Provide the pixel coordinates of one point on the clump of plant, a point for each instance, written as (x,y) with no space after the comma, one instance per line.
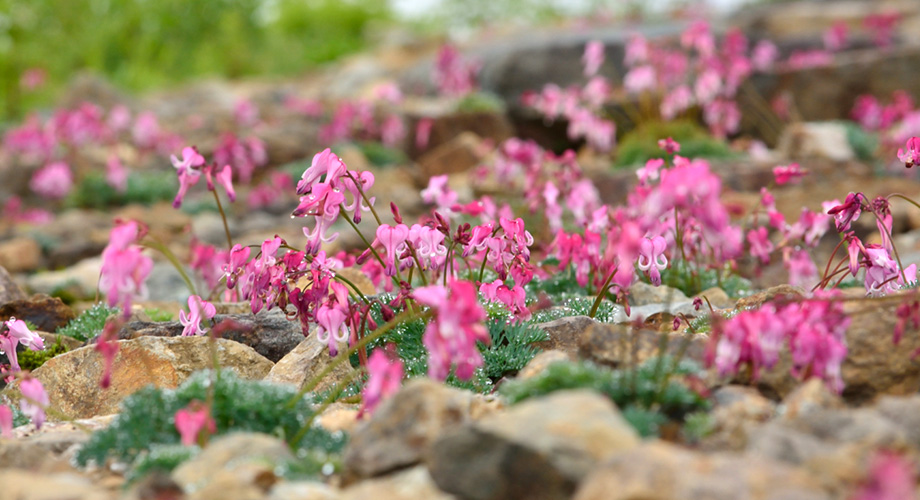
(148,420)
(641,144)
(146,188)
(30,360)
(692,281)
(650,396)
(88,324)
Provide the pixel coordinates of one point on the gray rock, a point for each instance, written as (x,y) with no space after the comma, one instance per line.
(270,333)
(9,290)
(539,449)
(410,484)
(25,485)
(643,294)
(403,428)
(564,333)
(662,471)
(303,490)
(306,361)
(618,345)
(239,460)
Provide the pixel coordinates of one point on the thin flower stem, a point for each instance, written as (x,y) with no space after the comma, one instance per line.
(372,249)
(352,286)
(899,195)
(171,257)
(827,268)
(223,217)
(897,257)
(343,357)
(328,400)
(364,197)
(601,294)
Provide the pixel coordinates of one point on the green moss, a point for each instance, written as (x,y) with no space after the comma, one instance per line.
(481,102)
(649,395)
(146,420)
(30,360)
(640,145)
(89,324)
(692,280)
(158,315)
(379,155)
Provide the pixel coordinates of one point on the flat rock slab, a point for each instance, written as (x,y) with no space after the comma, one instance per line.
(46,313)
(72,379)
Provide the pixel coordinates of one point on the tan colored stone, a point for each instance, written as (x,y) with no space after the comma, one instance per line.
(306,361)
(20,254)
(72,379)
(459,155)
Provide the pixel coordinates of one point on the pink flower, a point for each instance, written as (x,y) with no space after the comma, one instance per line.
(637,50)
(652,259)
(760,244)
(423,132)
(882,27)
(640,79)
(513,298)
(384,378)
(698,36)
(33,78)
(847,212)
(452,335)
(6,422)
(454,75)
(245,113)
(677,101)
(194,420)
(52,181)
(18,333)
(593,57)
(116,175)
(707,86)
(764,55)
(393,240)
(34,401)
(198,308)
(786,174)
(224,178)
(801,268)
(392,131)
(439,193)
(124,267)
(835,37)
(429,248)
(910,156)
(669,146)
(331,317)
(890,477)
(187,171)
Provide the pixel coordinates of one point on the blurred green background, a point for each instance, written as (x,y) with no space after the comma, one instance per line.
(143,44)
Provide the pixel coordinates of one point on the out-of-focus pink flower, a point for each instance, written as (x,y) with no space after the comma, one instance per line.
(116,175)
(764,55)
(707,86)
(107,347)
(224,178)
(652,259)
(676,101)
(890,477)
(669,145)
(52,181)
(882,27)
(384,378)
(119,118)
(392,131)
(124,267)
(593,57)
(192,421)
(33,79)
(788,174)
(245,113)
(637,50)
(698,36)
(454,75)
(835,37)
(640,79)
(423,132)
(760,244)
(911,155)
(198,309)
(187,170)
(452,334)
(146,130)
(801,268)
(34,400)
(388,92)
(6,422)
(722,116)
(308,107)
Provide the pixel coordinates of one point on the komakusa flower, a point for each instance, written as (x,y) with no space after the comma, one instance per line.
(188,172)
(124,267)
(652,259)
(910,156)
(384,378)
(452,334)
(198,309)
(192,421)
(52,181)
(34,400)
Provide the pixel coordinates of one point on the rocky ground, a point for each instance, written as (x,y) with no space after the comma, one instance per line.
(777,439)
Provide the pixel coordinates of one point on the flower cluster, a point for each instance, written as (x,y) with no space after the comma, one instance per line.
(813,330)
(125,268)
(15,333)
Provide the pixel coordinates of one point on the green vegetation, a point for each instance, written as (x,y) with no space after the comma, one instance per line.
(146,188)
(146,422)
(865,144)
(641,144)
(141,44)
(481,102)
(158,315)
(650,396)
(691,280)
(160,458)
(378,155)
(30,360)
(88,324)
